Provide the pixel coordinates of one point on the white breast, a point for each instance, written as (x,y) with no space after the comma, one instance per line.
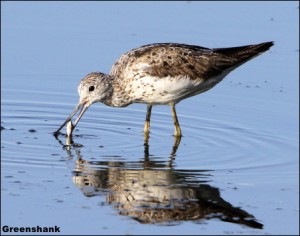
(154,90)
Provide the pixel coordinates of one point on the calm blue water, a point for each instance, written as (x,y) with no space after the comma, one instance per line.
(236,168)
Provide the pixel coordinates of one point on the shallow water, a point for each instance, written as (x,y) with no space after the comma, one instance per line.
(235,170)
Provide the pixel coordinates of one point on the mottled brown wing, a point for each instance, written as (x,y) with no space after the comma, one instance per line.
(162,60)
(170,59)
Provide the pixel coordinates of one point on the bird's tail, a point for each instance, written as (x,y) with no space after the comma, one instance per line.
(244,53)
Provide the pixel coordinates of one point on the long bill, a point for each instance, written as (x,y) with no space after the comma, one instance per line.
(83,106)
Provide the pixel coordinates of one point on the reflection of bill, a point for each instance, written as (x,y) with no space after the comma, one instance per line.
(153,195)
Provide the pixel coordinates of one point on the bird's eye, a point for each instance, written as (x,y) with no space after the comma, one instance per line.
(91,88)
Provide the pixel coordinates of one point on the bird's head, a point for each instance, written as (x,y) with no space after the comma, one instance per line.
(95,87)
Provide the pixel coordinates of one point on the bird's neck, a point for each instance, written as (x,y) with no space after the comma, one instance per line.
(117,97)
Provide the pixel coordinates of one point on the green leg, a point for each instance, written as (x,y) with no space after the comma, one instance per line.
(177,132)
(147,123)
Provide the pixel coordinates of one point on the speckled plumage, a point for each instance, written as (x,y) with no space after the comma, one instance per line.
(163,73)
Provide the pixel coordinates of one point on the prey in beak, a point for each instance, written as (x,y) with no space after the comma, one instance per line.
(81,107)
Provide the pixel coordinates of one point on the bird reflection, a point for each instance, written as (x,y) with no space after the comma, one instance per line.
(150,191)
(153,191)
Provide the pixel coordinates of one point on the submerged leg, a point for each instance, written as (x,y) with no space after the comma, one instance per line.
(147,123)
(177,132)
(177,140)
